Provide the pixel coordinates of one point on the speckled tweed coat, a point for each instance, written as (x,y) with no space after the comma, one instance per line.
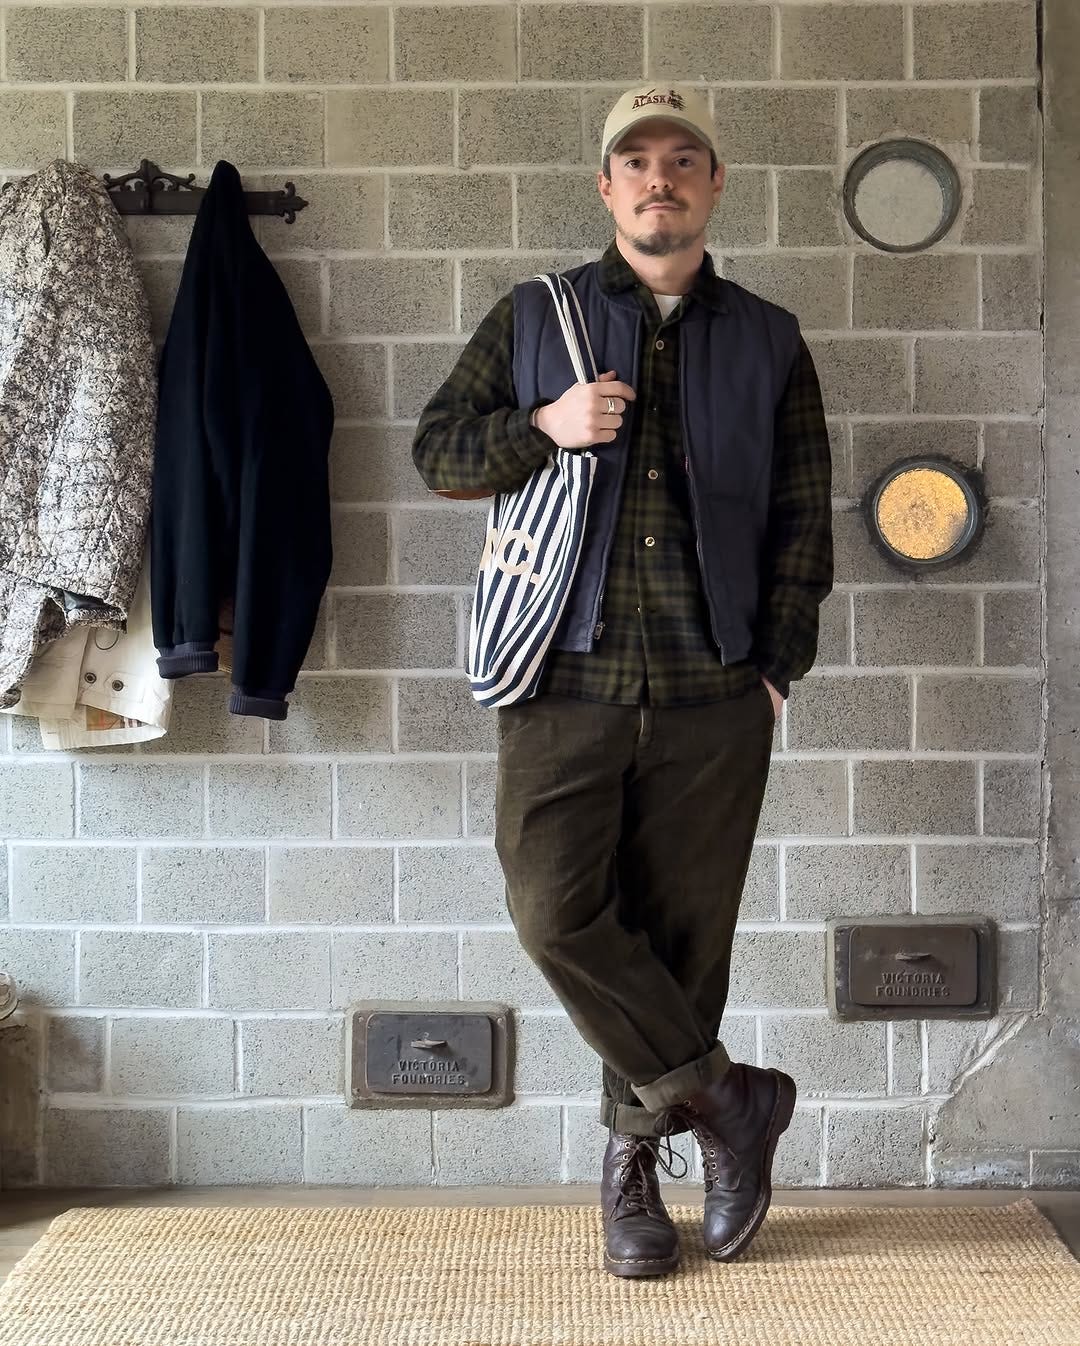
(78,404)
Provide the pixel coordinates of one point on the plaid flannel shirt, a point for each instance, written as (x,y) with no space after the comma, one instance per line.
(655,645)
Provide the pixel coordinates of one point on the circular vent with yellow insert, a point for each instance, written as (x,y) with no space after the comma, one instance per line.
(925,512)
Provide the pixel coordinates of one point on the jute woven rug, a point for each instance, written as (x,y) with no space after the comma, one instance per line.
(531,1276)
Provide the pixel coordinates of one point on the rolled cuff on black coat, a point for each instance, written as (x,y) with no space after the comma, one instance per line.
(193,656)
(268,706)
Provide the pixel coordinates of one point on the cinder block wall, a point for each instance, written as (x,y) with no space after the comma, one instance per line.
(188,920)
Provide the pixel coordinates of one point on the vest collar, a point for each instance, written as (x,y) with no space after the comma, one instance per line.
(616,276)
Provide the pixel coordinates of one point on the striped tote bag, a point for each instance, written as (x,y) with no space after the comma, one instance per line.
(531,552)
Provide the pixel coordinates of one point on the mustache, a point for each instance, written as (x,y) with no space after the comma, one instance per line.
(661,201)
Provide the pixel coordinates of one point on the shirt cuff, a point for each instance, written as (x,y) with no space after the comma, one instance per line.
(530,445)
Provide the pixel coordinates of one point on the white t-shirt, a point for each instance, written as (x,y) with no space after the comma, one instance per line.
(666,302)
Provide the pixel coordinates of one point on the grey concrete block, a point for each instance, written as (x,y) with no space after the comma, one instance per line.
(449,43)
(206,44)
(335,714)
(200,720)
(66,44)
(190,885)
(439,546)
(1001,207)
(395,127)
(373,464)
(561,210)
(263,128)
(826,881)
(282,1057)
(459,210)
(327,45)
(813,287)
(1008,124)
(855,559)
(901,627)
(875,1147)
(975,41)
(586,1140)
(738,1033)
(145,969)
(953,1046)
(966,376)
(73,883)
(519,126)
(915,796)
(160,281)
(418,369)
(1011,291)
(106,125)
(361,542)
(1009,549)
(995,714)
(709,42)
(781,969)
(553,1058)
(447,885)
(270,800)
(34,128)
(355,373)
(997,1169)
(855,713)
(158,800)
(740,218)
(413,800)
(344,210)
(42,963)
(342,885)
(368,1148)
(485,280)
(1001,882)
(480,799)
(776,126)
(275,970)
(861,374)
(580,42)
(825,1056)
(877,444)
(440,715)
(1018,969)
(399,296)
(75,1054)
(168,1058)
(853,42)
(219,1146)
(906,1057)
(494,966)
(804,797)
(1012,793)
(510,1145)
(808,207)
(1055,1168)
(760,895)
(919,292)
(1011,628)
(396,630)
(303,284)
(106,1147)
(940,115)
(37,800)
(398,965)
(834,627)
(797,1160)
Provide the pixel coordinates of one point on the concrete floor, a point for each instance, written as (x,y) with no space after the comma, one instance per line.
(25,1215)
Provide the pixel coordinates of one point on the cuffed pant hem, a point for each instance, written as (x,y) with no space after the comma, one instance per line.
(631,1121)
(678,1084)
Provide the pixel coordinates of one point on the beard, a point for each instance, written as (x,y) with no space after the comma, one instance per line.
(662,242)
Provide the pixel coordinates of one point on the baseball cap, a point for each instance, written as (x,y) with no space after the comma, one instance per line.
(679,103)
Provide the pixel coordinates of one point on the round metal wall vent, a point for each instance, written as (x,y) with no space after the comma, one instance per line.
(901,195)
(925,512)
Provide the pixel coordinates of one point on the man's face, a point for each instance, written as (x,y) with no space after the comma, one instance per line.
(661,192)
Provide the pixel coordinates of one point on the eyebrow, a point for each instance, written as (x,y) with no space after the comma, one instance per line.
(637,149)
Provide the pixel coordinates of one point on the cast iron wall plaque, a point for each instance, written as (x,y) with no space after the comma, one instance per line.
(405,1053)
(918,967)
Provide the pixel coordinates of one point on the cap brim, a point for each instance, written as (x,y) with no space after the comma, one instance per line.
(619,136)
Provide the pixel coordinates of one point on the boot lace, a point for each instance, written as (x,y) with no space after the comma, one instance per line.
(635,1171)
(709,1142)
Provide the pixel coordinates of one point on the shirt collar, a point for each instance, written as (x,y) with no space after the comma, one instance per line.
(616,274)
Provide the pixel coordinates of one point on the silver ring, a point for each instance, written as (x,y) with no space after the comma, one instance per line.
(611,406)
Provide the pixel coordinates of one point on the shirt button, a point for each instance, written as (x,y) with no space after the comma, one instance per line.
(660,344)
(650,542)
(653,474)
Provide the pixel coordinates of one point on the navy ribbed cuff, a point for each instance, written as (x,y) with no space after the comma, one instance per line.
(193,656)
(270,708)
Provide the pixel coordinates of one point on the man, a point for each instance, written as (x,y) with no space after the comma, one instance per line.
(629,789)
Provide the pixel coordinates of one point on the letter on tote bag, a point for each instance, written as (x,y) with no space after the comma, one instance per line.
(531,554)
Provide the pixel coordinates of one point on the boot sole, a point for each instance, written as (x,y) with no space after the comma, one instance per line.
(779,1122)
(643,1266)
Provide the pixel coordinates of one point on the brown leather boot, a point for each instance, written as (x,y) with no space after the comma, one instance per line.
(737,1121)
(640,1238)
